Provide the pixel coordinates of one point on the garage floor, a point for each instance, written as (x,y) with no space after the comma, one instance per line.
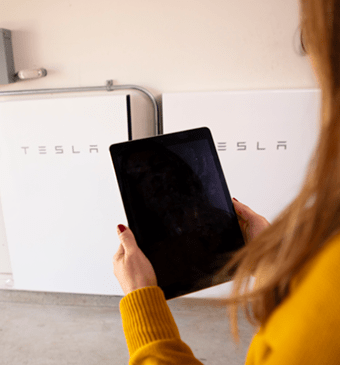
(70,329)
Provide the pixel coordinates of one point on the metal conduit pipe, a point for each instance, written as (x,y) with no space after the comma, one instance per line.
(109,87)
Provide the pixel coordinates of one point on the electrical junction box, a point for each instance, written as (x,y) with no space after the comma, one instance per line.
(6,57)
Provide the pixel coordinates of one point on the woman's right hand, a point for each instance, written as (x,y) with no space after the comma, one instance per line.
(250,222)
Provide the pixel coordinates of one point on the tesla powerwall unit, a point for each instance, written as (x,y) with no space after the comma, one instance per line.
(264,141)
(59,195)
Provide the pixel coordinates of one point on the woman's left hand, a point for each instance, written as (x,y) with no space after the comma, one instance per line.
(131,267)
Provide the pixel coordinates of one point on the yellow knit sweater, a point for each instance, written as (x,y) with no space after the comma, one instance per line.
(304,329)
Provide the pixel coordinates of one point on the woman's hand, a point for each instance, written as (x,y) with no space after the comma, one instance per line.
(251,223)
(131,267)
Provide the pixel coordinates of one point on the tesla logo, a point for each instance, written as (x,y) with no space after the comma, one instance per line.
(58,150)
(242,146)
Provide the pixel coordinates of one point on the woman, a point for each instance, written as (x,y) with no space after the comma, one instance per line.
(295,301)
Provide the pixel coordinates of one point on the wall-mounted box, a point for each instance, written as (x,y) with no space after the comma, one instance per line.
(6,57)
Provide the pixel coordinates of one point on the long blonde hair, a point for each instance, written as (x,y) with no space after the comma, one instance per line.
(304,227)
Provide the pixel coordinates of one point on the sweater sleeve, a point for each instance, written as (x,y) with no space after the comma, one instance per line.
(151,333)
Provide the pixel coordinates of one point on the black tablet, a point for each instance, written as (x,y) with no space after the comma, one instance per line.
(178,206)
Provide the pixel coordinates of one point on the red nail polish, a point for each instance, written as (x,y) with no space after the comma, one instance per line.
(235,199)
(121,228)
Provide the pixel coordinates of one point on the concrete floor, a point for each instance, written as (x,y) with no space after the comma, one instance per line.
(70,329)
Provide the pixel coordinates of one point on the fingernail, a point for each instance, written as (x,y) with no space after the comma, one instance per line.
(235,199)
(121,228)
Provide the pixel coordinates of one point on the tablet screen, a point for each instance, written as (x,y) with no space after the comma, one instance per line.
(179,208)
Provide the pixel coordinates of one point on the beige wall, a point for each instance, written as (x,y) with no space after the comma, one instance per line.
(164,46)
(177,45)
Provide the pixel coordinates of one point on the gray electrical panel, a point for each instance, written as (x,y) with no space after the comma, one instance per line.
(6,57)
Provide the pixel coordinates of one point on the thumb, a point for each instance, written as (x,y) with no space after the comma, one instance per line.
(127,238)
(243,210)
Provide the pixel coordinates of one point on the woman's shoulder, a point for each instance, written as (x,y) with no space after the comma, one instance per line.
(311,307)
(307,321)
(323,267)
